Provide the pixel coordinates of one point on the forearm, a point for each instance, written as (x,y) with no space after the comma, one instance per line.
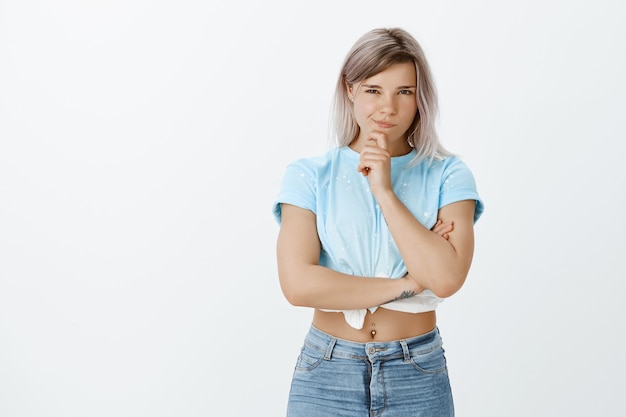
(320,287)
(430,259)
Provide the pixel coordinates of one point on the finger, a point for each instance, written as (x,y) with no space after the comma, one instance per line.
(372,142)
(380,139)
(363,168)
(373,157)
(443,229)
(441,223)
(382,143)
(437,226)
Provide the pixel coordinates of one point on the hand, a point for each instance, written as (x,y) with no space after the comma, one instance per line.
(443,228)
(375,162)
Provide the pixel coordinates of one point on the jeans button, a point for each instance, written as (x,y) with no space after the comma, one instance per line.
(372,350)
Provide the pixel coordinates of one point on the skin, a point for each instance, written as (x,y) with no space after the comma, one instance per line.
(437,259)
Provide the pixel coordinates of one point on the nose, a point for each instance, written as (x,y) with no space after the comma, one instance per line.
(388,104)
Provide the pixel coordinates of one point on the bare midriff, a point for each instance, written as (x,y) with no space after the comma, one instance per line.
(383,325)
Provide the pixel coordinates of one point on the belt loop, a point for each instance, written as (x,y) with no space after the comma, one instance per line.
(329,350)
(405,350)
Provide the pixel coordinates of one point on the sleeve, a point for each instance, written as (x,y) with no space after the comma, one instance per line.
(298,188)
(457,184)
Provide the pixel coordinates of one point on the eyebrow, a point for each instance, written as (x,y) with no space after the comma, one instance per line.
(399,88)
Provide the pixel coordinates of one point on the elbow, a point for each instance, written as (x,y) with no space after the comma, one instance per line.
(448,286)
(444,291)
(293,293)
(296,284)
(293,297)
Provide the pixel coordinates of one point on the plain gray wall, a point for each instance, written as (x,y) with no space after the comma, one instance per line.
(142,144)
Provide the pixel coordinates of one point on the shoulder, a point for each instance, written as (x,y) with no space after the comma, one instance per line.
(458,183)
(438,167)
(302,180)
(447,167)
(454,161)
(315,164)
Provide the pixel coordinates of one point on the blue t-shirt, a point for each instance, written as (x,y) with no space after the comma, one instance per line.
(353,233)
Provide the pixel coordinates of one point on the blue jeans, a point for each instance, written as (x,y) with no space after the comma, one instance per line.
(339,378)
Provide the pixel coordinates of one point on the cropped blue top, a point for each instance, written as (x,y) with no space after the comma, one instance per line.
(353,234)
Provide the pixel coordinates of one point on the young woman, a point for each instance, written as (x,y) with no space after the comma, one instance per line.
(373,235)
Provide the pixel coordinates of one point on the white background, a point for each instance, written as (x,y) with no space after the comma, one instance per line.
(143,142)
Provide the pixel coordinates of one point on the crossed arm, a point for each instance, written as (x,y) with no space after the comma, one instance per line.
(440,265)
(306,283)
(438,259)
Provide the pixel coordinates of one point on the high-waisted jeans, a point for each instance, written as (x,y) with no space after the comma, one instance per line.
(340,378)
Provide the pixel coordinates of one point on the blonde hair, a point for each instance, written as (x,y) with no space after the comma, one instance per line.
(374,52)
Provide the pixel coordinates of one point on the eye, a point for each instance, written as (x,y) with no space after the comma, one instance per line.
(405,92)
(371,91)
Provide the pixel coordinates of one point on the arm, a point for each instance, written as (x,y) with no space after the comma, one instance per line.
(435,262)
(305,283)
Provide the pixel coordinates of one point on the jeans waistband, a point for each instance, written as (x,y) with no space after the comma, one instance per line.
(333,347)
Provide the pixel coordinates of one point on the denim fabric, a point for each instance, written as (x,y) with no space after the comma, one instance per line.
(339,378)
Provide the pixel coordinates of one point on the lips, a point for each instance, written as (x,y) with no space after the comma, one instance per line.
(383,124)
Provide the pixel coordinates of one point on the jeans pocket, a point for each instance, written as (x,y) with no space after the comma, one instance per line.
(309,358)
(430,362)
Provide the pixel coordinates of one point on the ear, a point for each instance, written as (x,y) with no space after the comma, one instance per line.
(349,91)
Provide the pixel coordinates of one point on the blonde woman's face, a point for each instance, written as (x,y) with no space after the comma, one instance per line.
(386,103)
